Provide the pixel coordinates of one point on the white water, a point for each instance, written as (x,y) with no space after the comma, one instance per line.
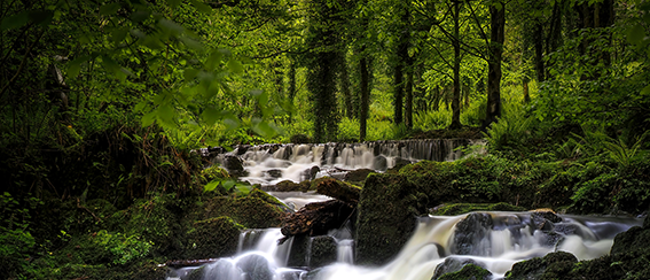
(271,164)
(511,240)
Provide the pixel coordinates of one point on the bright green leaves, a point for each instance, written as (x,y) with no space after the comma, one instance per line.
(228,185)
(201,7)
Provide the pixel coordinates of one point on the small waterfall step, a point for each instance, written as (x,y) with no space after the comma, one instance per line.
(272,163)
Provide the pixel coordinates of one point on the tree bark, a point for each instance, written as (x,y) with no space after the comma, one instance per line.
(498,20)
(344,86)
(455,102)
(365,92)
(408,114)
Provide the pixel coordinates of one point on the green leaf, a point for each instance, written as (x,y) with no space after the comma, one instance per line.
(74,66)
(118,35)
(15,21)
(110,9)
(264,129)
(235,66)
(211,185)
(41,17)
(173,3)
(231,123)
(148,119)
(211,115)
(635,34)
(190,74)
(191,43)
(202,7)
(170,26)
(228,184)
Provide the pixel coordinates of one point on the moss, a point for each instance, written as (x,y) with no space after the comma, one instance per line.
(323,251)
(387,216)
(251,211)
(462,208)
(535,268)
(211,238)
(469,272)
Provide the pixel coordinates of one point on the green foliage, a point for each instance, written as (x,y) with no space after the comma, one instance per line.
(16,241)
(123,248)
(513,130)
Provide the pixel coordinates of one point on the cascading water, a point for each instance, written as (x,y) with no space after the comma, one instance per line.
(270,164)
(510,237)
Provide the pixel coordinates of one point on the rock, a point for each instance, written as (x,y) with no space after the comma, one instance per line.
(399,163)
(214,237)
(298,257)
(274,173)
(468,272)
(254,267)
(462,208)
(471,234)
(299,139)
(323,251)
(310,174)
(387,217)
(380,163)
(317,218)
(255,210)
(234,165)
(636,238)
(358,176)
(536,267)
(284,186)
(339,190)
(451,264)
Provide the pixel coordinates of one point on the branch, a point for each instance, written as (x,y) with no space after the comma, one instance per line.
(22,65)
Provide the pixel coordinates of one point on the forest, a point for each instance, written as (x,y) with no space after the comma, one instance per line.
(104,105)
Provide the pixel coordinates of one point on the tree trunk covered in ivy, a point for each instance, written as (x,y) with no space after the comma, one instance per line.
(322,69)
(344,86)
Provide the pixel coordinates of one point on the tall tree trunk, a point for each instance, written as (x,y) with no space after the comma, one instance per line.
(524,83)
(398,80)
(408,114)
(498,20)
(365,92)
(539,52)
(455,102)
(419,90)
(344,86)
(291,94)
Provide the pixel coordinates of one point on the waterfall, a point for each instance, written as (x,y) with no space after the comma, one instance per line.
(510,238)
(272,163)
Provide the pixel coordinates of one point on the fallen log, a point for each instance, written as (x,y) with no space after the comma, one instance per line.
(184,263)
(317,218)
(339,190)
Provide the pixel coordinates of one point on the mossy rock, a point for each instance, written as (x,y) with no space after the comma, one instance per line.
(469,272)
(323,251)
(387,208)
(463,208)
(636,238)
(251,211)
(358,177)
(536,268)
(212,238)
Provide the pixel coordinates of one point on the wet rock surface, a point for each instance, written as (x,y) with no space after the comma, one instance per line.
(452,264)
(471,233)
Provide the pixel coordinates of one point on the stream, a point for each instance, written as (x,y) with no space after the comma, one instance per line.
(493,240)
(512,237)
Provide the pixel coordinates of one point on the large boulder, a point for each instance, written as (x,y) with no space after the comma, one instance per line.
(535,268)
(451,264)
(468,272)
(323,251)
(211,238)
(471,235)
(388,207)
